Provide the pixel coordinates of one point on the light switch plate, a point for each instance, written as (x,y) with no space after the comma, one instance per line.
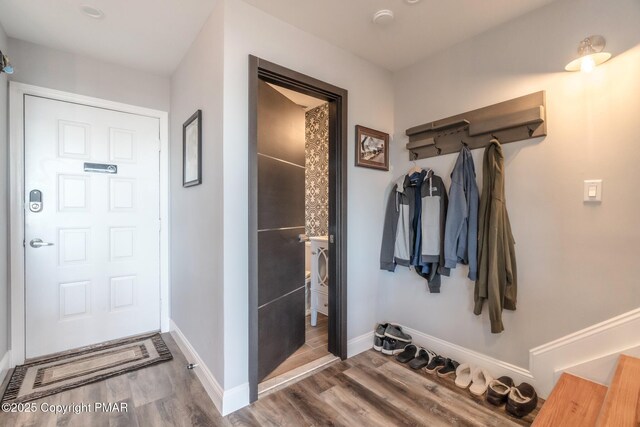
(593,190)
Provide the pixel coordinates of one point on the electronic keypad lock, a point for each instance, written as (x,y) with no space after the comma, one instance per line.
(35,200)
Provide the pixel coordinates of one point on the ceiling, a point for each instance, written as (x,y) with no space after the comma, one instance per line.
(305,101)
(151,35)
(417,30)
(154,35)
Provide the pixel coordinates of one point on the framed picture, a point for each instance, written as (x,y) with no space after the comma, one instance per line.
(192,150)
(372,148)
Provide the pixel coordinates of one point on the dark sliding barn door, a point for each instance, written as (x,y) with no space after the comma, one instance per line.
(281,161)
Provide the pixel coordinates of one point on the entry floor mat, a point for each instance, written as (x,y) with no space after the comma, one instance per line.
(63,371)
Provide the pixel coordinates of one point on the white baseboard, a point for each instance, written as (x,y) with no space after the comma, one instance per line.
(496,367)
(5,365)
(226,401)
(359,344)
(235,398)
(598,342)
(209,382)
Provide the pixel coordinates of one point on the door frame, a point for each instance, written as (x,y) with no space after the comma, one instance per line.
(17,93)
(260,69)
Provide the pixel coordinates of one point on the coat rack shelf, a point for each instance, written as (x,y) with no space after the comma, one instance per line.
(514,120)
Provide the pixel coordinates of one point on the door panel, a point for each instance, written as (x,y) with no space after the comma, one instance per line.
(99,280)
(279,263)
(280,331)
(280,194)
(278,137)
(281,306)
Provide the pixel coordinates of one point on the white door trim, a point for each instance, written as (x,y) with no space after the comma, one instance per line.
(17,92)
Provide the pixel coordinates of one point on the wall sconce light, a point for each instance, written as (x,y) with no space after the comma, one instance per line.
(591,55)
(5,65)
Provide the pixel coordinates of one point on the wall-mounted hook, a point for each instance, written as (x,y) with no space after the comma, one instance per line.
(530,131)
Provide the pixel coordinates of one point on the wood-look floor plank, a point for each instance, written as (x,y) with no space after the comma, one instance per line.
(311,407)
(443,396)
(124,419)
(353,409)
(386,408)
(406,399)
(275,410)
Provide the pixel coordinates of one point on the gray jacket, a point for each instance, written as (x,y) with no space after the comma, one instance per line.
(461,232)
(415,237)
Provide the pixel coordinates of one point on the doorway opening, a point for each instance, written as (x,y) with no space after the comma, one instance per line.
(297,223)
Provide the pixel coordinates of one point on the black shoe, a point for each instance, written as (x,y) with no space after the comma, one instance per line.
(522,400)
(422,359)
(395,332)
(449,368)
(498,390)
(391,347)
(409,353)
(377,343)
(435,363)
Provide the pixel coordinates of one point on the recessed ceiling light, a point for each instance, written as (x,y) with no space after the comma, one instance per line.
(92,12)
(383,17)
(412,1)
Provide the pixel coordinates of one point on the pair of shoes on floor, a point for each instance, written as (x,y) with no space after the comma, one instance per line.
(521,400)
(416,357)
(474,378)
(389,339)
(442,367)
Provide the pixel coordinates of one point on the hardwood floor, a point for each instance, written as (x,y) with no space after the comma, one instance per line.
(315,347)
(373,390)
(166,394)
(369,389)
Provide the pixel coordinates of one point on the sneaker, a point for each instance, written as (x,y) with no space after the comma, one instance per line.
(381,327)
(391,347)
(448,369)
(395,332)
(377,343)
(435,363)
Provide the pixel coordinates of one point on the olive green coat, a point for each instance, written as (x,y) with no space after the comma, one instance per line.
(497,274)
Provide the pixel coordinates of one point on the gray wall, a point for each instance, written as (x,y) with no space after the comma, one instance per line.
(54,69)
(577,263)
(196,212)
(4,209)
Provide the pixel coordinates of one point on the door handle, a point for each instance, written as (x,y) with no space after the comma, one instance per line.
(38,243)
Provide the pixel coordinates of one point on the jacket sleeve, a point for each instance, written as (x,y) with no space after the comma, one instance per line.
(456,213)
(444,202)
(387,251)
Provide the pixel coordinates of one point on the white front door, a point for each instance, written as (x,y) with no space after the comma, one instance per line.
(99,279)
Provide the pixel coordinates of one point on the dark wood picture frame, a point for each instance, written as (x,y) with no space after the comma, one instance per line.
(197,119)
(361,160)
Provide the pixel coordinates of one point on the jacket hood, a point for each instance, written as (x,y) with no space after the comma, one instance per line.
(401,182)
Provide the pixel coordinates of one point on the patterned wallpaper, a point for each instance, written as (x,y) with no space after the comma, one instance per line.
(317,172)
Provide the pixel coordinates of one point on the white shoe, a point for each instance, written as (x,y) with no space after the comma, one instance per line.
(480,382)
